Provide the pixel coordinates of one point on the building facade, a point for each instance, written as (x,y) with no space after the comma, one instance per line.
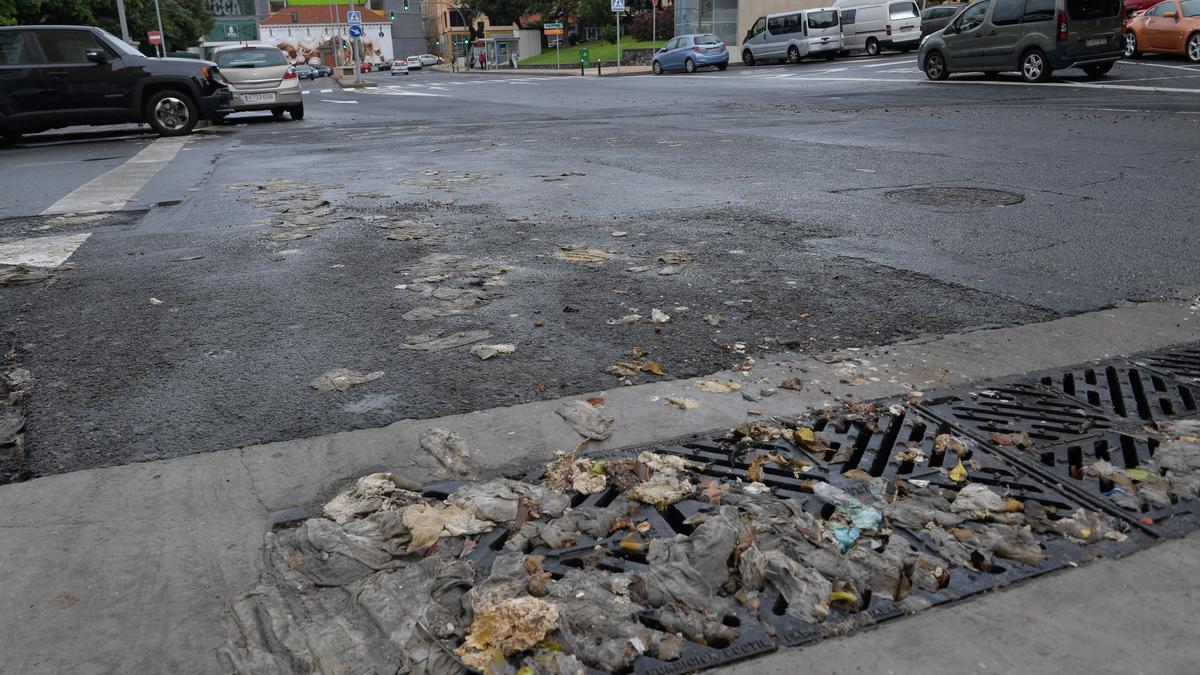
(730,19)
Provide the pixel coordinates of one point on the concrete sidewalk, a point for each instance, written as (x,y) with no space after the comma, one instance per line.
(128,569)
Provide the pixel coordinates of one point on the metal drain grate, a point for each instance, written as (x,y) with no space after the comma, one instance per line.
(1016,408)
(1126,392)
(1182,363)
(956,197)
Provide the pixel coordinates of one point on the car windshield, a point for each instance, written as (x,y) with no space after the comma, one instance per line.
(1190,7)
(250,58)
(707,40)
(119,44)
(824,19)
(1093,9)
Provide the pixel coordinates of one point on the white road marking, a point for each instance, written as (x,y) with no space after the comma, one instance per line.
(111,191)
(334,100)
(1159,65)
(41,251)
(881,64)
(326,91)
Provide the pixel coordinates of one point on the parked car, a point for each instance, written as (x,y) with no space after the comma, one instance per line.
(430,59)
(791,36)
(306,72)
(364,67)
(1171,27)
(414,63)
(323,71)
(383,65)
(80,75)
(1033,37)
(936,18)
(1134,6)
(399,67)
(260,78)
(691,52)
(872,26)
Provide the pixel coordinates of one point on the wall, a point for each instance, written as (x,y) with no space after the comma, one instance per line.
(408,30)
(732,17)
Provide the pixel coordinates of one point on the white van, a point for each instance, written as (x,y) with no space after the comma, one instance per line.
(791,36)
(874,25)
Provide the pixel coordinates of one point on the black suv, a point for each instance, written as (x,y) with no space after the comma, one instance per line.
(58,76)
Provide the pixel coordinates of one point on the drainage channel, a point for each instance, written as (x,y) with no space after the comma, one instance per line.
(697,552)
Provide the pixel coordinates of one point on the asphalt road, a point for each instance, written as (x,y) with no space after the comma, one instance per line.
(775,196)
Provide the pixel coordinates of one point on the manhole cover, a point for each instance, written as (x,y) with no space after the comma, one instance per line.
(956,196)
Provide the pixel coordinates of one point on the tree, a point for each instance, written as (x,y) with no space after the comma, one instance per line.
(501,12)
(184,21)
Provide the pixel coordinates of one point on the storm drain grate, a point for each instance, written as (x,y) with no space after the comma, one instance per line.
(956,197)
(1181,362)
(1129,393)
(1020,408)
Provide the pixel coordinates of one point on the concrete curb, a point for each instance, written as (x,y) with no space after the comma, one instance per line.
(129,568)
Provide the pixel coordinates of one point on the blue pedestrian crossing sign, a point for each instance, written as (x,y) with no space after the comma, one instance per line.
(355,31)
(618,5)
(354,18)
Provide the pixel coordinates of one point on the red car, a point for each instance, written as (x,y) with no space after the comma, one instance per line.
(1132,6)
(364,68)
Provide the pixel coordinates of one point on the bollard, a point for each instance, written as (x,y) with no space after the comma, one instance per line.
(597,69)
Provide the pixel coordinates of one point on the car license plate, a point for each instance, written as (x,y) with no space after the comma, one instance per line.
(1097,42)
(258,98)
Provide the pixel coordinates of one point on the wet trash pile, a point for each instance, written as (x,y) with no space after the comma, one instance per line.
(299,208)
(668,559)
(451,285)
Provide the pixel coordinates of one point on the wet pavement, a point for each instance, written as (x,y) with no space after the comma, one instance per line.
(764,199)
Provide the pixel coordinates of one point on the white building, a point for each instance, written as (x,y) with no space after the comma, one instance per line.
(313,34)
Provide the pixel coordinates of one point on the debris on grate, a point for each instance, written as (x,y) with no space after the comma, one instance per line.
(675,557)
(1017,409)
(1183,363)
(1127,392)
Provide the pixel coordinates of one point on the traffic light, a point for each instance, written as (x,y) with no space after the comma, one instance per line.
(406,5)
(392,15)
(437,42)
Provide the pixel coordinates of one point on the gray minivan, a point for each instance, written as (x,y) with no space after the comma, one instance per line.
(791,36)
(1033,37)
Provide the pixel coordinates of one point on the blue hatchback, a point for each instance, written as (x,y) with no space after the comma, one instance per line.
(689,52)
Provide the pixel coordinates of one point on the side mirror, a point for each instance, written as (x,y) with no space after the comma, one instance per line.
(96,55)
(1171,15)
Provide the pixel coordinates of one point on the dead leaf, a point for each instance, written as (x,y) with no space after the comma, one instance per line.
(682,402)
(793,384)
(1021,440)
(712,489)
(959,473)
(755,470)
(652,367)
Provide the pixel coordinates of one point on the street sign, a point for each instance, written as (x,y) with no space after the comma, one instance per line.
(552,26)
(618,5)
(654,2)
(354,18)
(554,31)
(583,57)
(154,37)
(355,31)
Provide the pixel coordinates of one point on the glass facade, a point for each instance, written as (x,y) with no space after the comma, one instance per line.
(708,16)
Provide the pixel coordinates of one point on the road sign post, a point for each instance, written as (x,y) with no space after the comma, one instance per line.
(583,59)
(555,29)
(354,18)
(618,8)
(654,24)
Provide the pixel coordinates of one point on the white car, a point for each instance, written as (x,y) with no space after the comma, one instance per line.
(430,59)
(399,67)
(414,63)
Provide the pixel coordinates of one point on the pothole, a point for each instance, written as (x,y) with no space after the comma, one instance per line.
(956,196)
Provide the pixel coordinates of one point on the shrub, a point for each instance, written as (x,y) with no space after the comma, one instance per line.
(643,29)
(608,32)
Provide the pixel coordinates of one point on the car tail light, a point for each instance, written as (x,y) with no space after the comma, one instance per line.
(888,29)
(697,49)
(290,74)
(1062,26)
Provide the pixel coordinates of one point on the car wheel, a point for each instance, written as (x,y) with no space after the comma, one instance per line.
(872,47)
(793,55)
(297,112)
(217,120)
(1097,70)
(935,67)
(1034,67)
(171,113)
(277,113)
(1131,45)
(722,66)
(748,57)
(657,68)
(1193,48)
(689,66)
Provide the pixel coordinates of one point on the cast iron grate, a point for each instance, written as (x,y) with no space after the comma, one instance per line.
(1015,408)
(1129,393)
(1182,363)
(1069,463)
